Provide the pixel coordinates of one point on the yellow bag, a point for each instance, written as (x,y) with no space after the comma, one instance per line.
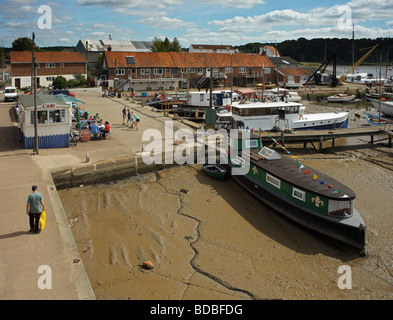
(42,220)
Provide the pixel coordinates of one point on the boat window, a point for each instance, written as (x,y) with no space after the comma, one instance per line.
(340,209)
(273,181)
(251,144)
(299,194)
(275,110)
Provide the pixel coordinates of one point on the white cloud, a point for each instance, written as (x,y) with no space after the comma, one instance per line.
(166,23)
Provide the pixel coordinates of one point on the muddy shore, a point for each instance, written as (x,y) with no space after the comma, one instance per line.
(209,239)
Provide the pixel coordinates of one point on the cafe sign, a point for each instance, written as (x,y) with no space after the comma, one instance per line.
(48,105)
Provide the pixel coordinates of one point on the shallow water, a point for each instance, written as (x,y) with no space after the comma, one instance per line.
(211,239)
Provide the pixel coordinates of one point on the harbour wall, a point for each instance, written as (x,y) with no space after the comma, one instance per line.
(122,168)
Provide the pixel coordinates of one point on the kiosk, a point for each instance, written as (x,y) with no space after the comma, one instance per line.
(54,121)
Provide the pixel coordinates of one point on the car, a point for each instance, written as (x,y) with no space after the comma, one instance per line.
(67,92)
(267,85)
(10,94)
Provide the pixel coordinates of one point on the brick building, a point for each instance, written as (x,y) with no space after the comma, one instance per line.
(49,66)
(171,70)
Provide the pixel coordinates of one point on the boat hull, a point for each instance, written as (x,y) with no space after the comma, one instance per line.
(386,107)
(350,231)
(215,171)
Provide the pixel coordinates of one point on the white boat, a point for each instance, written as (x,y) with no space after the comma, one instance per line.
(283,95)
(386,107)
(342,97)
(282,116)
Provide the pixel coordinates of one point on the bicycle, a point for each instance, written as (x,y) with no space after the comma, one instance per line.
(74,137)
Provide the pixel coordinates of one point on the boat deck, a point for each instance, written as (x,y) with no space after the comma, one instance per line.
(321,136)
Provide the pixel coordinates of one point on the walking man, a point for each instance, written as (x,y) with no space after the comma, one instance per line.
(35,206)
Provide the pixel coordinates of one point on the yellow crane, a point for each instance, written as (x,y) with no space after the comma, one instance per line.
(359,62)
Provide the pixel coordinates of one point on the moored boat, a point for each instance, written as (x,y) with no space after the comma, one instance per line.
(216,171)
(300,193)
(378,121)
(341,98)
(283,116)
(386,107)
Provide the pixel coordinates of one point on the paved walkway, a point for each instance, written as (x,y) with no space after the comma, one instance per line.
(22,253)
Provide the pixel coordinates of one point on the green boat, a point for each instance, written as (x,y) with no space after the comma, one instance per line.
(215,170)
(301,193)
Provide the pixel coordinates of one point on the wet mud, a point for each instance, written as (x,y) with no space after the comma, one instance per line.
(210,239)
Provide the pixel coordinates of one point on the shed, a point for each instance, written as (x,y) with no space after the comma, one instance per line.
(53,121)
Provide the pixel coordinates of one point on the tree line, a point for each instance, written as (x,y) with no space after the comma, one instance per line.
(319,49)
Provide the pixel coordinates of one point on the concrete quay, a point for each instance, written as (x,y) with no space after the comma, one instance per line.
(47,265)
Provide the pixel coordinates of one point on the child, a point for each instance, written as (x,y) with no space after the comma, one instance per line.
(136,119)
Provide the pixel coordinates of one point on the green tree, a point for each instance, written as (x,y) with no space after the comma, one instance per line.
(165,45)
(60,82)
(23,44)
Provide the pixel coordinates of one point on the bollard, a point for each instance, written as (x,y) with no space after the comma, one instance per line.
(87,157)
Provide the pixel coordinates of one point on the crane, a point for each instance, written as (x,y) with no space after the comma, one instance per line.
(359,62)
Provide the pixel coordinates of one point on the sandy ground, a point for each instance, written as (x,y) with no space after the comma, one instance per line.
(212,240)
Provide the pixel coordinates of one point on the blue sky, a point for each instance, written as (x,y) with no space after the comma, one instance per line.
(232,22)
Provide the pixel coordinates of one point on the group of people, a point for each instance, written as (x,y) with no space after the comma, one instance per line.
(100,130)
(131,118)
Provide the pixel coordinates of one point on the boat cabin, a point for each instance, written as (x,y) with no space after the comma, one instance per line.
(264,114)
(202,99)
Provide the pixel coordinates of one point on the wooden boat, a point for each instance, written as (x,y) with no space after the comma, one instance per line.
(341,98)
(378,121)
(300,193)
(215,170)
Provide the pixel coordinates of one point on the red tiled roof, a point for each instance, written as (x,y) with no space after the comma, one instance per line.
(46,56)
(185,60)
(142,59)
(294,72)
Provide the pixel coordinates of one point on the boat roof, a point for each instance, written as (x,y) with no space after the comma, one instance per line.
(287,169)
(258,104)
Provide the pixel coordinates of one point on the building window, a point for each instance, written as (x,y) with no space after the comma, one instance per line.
(120,72)
(200,71)
(228,70)
(50,78)
(159,72)
(299,194)
(242,70)
(42,117)
(57,116)
(145,72)
(61,65)
(273,181)
(191,70)
(267,70)
(50,65)
(183,70)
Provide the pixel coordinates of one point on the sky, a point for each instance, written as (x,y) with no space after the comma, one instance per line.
(228,22)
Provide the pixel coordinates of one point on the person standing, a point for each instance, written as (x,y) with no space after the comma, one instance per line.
(35,206)
(124,112)
(130,117)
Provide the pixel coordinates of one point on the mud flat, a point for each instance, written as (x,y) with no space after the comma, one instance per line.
(210,239)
